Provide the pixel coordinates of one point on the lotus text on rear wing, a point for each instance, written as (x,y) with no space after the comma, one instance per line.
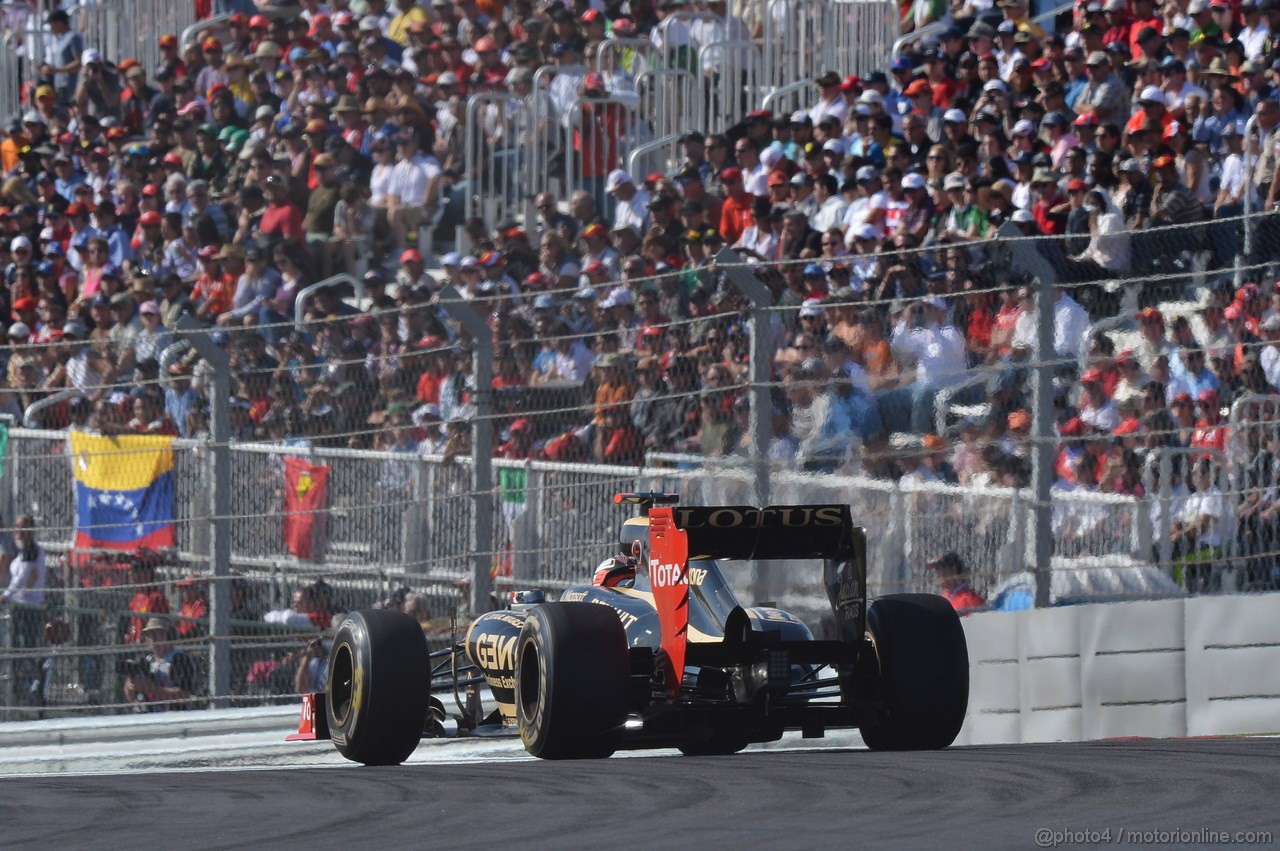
(734,518)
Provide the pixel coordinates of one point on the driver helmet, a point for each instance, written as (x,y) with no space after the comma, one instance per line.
(615,572)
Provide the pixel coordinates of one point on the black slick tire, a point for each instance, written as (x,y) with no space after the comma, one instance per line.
(572,681)
(378,687)
(923,679)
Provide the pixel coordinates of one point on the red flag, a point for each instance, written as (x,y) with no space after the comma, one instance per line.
(306,494)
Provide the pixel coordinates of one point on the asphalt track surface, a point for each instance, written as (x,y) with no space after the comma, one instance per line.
(979,797)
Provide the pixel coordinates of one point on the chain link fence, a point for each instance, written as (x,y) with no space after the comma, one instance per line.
(675,382)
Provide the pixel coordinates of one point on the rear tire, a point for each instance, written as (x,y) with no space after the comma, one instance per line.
(573,678)
(379,686)
(923,679)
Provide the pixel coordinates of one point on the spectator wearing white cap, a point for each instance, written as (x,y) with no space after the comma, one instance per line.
(965,221)
(98,88)
(917,218)
(867,179)
(1152,106)
(955,130)
(631,203)
(863,242)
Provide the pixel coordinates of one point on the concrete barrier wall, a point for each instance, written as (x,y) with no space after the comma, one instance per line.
(1195,667)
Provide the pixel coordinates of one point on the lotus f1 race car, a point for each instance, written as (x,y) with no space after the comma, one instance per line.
(658,653)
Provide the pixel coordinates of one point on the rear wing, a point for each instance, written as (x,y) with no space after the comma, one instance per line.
(774,532)
(677,534)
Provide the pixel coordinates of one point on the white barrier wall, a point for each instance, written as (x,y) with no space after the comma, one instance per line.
(1194,667)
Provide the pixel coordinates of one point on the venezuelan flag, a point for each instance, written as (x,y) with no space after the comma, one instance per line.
(124,490)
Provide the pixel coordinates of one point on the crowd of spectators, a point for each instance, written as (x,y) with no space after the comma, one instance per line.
(156,619)
(243,168)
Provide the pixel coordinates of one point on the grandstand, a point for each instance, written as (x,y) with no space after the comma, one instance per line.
(467,268)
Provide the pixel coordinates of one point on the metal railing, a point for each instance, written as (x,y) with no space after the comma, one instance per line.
(932,30)
(300,304)
(500,141)
(1050,15)
(659,155)
(29,415)
(788,99)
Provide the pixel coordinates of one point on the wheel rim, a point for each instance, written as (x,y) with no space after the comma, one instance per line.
(528,681)
(340,679)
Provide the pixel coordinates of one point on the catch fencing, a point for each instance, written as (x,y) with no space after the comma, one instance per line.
(700,72)
(459,524)
(395,521)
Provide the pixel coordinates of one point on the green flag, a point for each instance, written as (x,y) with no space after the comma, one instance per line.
(4,443)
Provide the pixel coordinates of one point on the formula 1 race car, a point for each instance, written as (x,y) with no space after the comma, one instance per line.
(657,652)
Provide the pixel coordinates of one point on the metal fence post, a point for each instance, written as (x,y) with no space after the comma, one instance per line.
(1016,546)
(760,369)
(895,569)
(416,516)
(1166,510)
(9,673)
(1142,533)
(481,447)
(220,491)
(760,377)
(1242,259)
(1042,429)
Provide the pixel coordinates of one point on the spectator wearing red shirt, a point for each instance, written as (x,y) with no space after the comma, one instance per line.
(943,85)
(1051,207)
(1143,18)
(1152,102)
(195,606)
(147,598)
(950,573)
(735,214)
(1118,24)
(519,444)
(981,309)
(169,56)
(1210,431)
(214,289)
(149,417)
(617,441)
(508,372)
(436,371)
(282,221)
(491,70)
(598,137)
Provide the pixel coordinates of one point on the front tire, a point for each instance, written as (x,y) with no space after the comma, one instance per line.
(378,687)
(573,678)
(923,679)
